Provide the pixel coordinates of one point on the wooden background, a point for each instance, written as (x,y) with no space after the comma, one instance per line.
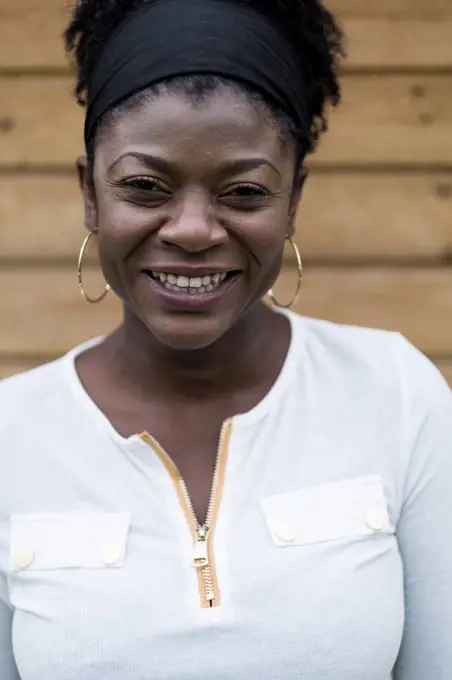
(375,228)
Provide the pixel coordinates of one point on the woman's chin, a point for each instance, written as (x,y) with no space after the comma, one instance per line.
(187,332)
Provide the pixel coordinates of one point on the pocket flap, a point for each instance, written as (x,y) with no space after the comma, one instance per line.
(68,540)
(349,508)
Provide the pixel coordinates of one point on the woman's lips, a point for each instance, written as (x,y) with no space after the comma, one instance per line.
(189,299)
(198,283)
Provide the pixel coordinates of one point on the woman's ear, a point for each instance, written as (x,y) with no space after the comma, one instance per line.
(89,195)
(295,199)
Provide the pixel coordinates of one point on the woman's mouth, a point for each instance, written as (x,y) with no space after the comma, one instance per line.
(191,293)
(190,285)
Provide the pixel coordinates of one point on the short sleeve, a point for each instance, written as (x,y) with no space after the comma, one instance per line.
(8,670)
(424,529)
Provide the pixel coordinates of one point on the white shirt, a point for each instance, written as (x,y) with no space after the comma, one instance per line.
(331,553)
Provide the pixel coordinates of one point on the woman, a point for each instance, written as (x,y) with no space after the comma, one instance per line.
(218,489)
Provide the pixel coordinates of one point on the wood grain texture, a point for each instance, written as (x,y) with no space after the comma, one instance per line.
(31,33)
(398,43)
(386,8)
(384,119)
(445,366)
(46,314)
(382,215)
(40,124)
(10,366)
(415,302)
(391,119)
(342,215)
(41,217)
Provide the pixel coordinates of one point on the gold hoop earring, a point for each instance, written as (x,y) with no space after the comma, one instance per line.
(81,256)
(299,281)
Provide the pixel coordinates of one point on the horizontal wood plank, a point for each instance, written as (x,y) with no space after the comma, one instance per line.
(10,366)
(342,215)
(31,33)
(401,33)
(398,43)
(40,123)
(42,217)
(445,366)
(391,119)
(46,314)
(385,8)
(415,302)
(381,216)
(385,119)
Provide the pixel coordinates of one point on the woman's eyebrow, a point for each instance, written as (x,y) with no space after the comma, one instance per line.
(231,167)
(246,164)
(149,160)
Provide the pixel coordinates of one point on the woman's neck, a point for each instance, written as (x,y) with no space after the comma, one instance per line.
(252,352)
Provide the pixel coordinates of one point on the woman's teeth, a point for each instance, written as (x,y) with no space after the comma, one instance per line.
(185,284)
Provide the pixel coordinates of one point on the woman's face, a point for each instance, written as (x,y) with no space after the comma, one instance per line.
(192,203)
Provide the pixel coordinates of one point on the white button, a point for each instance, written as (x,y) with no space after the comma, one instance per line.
(376,518)
(24,558)
(110,553)
(286,532)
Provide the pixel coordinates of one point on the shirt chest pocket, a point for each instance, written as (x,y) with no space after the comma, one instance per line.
(43,542)
(347,509)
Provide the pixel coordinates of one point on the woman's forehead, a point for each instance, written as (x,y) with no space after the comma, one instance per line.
(219,122)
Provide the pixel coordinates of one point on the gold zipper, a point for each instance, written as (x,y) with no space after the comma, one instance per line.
(203,559)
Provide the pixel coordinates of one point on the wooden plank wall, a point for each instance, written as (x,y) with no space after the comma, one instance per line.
(375,227)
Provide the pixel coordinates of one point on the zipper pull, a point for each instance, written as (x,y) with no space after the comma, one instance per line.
(200,554)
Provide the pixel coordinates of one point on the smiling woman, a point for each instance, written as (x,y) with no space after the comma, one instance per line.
(216,474)
(207,200)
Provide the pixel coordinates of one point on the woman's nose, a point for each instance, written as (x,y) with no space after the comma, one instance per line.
(194,229)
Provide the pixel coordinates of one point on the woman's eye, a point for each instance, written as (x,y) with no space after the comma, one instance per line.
(246,197)
(145,184)
(247,190)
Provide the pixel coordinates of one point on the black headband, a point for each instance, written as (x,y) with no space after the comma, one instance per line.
(168,38)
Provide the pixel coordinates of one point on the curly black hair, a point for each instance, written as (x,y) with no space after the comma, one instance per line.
(307,24)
